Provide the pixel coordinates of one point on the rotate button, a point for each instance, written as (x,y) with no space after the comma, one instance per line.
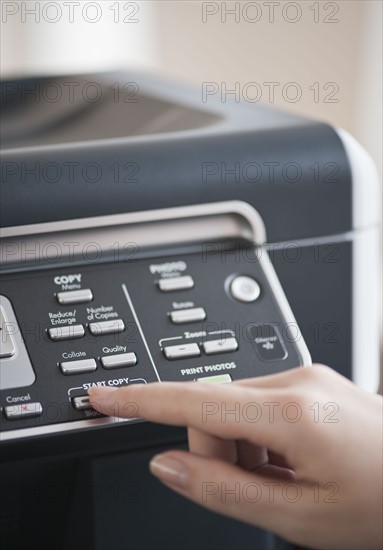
(77,367)
(75,297)
(175,283)
(107,327)
(182,351)
(15,412)
(67,332)
(183,316)
(267,342)
(117,361)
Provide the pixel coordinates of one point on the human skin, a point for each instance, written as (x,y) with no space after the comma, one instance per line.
(298,453)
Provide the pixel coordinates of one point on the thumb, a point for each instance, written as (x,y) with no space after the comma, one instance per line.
(226,489)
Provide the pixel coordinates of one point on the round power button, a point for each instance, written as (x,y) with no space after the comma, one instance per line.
(245,289)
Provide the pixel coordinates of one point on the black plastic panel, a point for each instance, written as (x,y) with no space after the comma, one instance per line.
(129,291)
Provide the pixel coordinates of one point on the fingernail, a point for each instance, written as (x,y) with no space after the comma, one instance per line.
(170,470)
(103,395)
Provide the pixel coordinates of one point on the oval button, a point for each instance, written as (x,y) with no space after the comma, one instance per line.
(245,289)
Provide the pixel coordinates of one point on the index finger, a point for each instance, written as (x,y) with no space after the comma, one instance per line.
(228,411)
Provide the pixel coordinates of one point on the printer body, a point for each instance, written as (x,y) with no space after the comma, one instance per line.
(155,234)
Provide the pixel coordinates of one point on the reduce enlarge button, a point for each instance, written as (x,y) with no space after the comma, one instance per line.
(107,327)
(220,346)
(245,289)
(67,332)
(175,283)
(192,315)
(14,412)
(76,367)
(182,352)
(75,297)
(117,361)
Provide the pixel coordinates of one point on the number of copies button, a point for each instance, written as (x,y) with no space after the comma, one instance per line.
(220,346)
(182,352)
(75,297)
(182,316)
(75,367)
(13,412)
(175,283)
(69,332)
(107,327)
(245,289)
(121,360)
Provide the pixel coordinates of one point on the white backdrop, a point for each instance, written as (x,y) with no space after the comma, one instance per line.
(332,51)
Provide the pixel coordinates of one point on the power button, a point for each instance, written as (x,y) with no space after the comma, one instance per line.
(245,289)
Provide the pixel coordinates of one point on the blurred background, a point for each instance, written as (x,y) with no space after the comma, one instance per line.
(330,51)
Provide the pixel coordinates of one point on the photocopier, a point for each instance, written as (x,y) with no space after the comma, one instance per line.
(153,233)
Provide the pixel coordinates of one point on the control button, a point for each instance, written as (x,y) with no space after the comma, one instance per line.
(224,345)
(75,367)
(245,289)
(176,283)
(81,403)
(182,316)
(218,379)
(268,344)
(7,346)
(67,332)
(75,297)
(182,352)
(107,327)
(116,361)
(14,412)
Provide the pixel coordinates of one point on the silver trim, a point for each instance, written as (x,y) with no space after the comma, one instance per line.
(76,425)
(130,233)
(366,266)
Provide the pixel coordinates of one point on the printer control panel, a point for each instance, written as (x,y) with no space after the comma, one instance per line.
(211,319)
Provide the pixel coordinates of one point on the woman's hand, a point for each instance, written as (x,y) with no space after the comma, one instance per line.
(298,453)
